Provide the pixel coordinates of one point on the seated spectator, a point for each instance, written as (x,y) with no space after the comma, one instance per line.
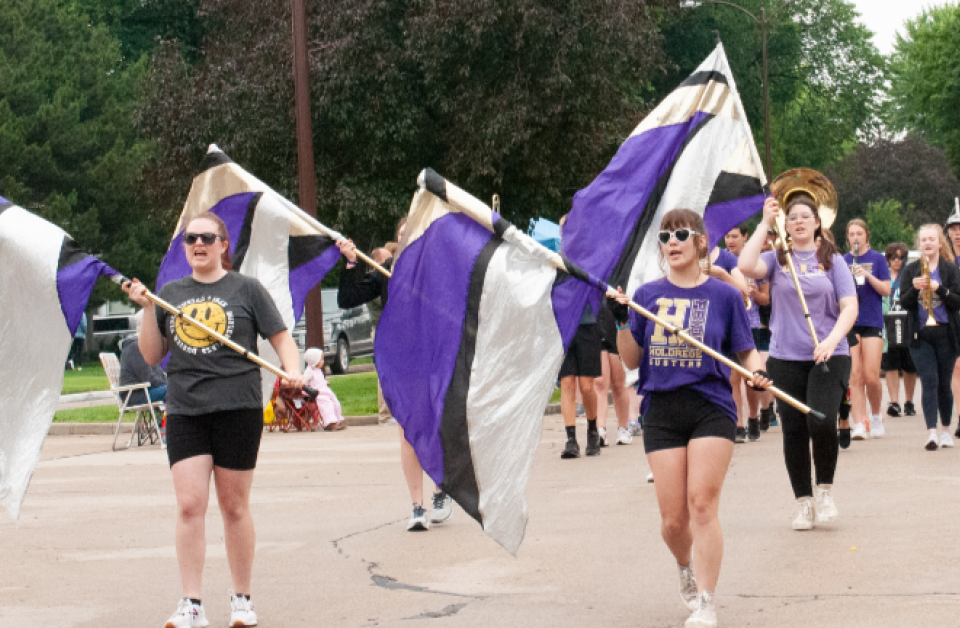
(331,415)
(135,370)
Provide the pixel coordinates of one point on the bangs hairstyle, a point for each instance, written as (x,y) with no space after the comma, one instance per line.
(826,249)
(222,232)
(857,222)
(896,247)
(946,251)
(678,219)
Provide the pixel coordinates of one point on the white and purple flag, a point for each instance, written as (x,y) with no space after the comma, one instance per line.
(694,151)
(270,239)
(45,283)
(469,347)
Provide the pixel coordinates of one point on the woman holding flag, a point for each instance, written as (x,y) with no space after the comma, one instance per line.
(690,418)
(795,363)
(214,406)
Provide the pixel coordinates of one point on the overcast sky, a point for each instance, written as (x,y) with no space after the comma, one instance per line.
(886,17)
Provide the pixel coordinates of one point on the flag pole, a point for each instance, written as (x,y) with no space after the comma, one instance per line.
(333,235)
(476,209)
(253,357)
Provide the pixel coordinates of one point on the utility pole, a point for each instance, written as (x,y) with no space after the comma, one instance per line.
(766,91)
(305,167)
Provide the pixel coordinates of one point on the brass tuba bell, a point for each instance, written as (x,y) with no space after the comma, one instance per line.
(813,183)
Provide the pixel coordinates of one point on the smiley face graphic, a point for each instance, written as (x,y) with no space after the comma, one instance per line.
(210,314)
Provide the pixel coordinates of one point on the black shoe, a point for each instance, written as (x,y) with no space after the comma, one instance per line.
(893,409)
(593,444)
(909,410)
(843,435)
(753,430)
(741,435)
(765,419)
(571,449)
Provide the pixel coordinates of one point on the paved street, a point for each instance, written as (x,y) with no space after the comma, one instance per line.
(94,545)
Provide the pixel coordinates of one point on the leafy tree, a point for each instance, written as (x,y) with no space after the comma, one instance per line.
(825,74)
(887,225)
(910,171)
(68,150)
(925,82)
(525,98)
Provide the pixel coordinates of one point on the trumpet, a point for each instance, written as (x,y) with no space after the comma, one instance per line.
(747,300)
(926,294)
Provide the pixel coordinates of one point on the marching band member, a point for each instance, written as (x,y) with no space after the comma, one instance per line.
(794,362)
(689,424)
(930,293)
(872,277)
(896,359)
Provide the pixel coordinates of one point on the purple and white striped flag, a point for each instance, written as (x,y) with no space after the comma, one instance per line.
(45,283)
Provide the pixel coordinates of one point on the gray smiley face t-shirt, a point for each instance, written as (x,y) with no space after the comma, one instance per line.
(204,375)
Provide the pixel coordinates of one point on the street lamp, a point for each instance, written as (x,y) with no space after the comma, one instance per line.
(762,22)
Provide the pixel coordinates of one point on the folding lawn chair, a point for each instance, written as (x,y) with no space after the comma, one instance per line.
(300,413)
(142,427)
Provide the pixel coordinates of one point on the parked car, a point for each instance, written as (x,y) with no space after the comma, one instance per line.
(346,333)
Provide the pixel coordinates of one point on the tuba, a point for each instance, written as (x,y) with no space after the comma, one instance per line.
(926,295)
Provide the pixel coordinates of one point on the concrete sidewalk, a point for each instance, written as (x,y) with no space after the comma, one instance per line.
(94,545)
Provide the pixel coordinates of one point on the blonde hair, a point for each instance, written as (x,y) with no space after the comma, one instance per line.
(857,222)
(946,251)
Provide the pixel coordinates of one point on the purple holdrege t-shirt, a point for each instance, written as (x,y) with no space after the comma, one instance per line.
(939,309)
(789,335)
(871,303)
(713,313)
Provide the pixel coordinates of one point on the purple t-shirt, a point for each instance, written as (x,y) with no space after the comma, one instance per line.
(713,313)
(753,312)
(871,303)
(789,336)
(726,260)
(939,309)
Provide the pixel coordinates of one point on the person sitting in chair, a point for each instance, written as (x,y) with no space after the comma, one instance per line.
(135,370)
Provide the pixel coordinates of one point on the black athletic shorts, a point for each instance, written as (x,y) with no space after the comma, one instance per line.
(862,331)
(676,417)
(761,338)
(232,437)
(898,359)
(583,358)
(608,330)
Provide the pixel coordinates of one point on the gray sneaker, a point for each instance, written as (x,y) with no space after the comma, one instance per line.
(688,586)
(442,507)
(418,520)
(705,614)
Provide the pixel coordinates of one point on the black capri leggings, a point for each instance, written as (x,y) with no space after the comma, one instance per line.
(821,391)
(934,358)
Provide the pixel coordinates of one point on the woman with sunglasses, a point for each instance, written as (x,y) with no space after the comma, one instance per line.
(872,276)
(896,359)
(689,422)
(214,406)
(934,348)
(794,363)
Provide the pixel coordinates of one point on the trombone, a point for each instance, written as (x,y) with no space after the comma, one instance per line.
(818,187)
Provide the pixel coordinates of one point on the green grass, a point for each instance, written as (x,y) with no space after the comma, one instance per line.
(90,378)
(96,414)
(357,393)
(366,360)
(555,397)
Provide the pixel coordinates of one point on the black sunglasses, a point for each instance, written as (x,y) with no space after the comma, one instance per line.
(681,235)
(205,238)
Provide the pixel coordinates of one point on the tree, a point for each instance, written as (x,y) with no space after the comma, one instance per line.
(525,98)
(887,225)
(910,171)
(68,149)
(924,79)
(825,74)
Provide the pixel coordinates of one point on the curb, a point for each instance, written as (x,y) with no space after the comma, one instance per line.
(96,395)
(101,429)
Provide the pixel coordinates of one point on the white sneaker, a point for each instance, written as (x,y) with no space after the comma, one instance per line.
(876,426)
(442,507)
(826,509)
(624,437)
(805,517)
(688,586)
(188,615)
(705,614)
(418,520)
(241,612)
(634,428)
(389,422)
(603,436)
(650,478)
(932,442)
(945,439)
(859,432)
